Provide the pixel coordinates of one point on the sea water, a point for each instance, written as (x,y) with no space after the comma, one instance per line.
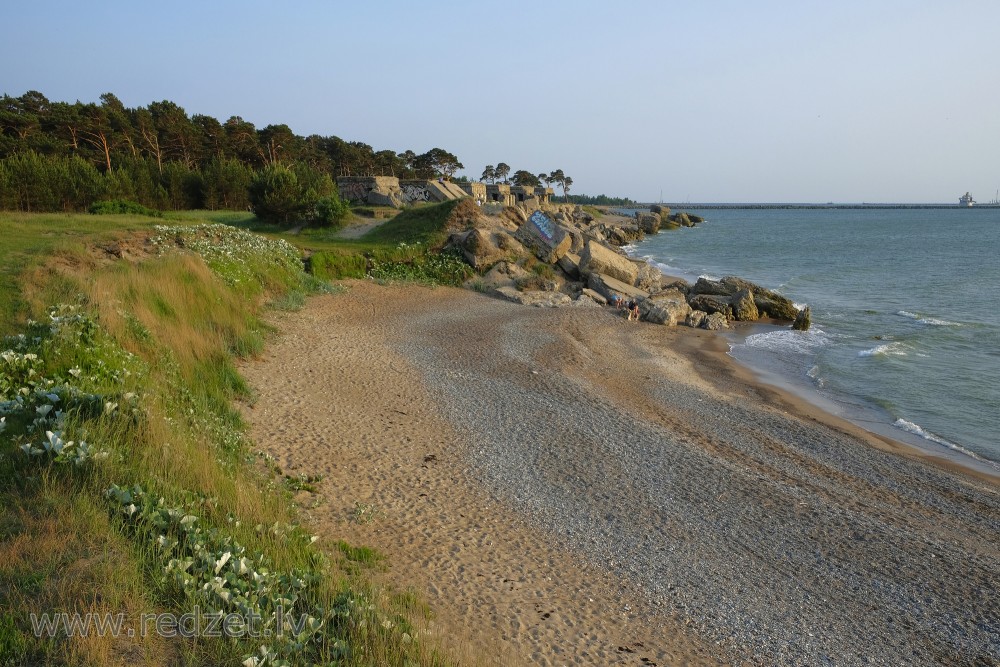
(905,305)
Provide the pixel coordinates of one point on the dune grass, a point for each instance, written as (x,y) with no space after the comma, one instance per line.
(128,485)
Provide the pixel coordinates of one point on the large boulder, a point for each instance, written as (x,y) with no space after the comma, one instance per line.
(503,274)
(480,250)
(622,234)
(768,302)
(589,299)
(696,318)
(649,278)
(803,320)
(715,321)
(609,287)
(510,245)
(682,219)
(581,217)
(596,258)
(649,223)
(534,297)
(544,237)
(664,211)
(744,308)
(708,286)
(669,308)
(712,303)
(595,296)
(576,238)
(570,264)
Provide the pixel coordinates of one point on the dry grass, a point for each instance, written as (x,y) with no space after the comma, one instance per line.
(61,550)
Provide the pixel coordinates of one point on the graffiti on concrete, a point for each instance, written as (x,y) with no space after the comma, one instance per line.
(354,192)
(415,193)
(543,224)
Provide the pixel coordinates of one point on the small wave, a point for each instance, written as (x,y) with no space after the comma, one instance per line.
(813,374)
(929,321)
(786,340)
(934,322)
(668,270)
(919,431)
(895,349)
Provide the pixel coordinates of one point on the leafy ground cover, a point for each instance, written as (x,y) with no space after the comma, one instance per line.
(128,486)
(406,248)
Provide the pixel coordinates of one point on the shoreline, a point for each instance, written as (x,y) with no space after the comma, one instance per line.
(801,401)
(884,432)
(565,487)
(910,444)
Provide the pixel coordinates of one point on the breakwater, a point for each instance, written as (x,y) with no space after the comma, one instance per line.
(693,206)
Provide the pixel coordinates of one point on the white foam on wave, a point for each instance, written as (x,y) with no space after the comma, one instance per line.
(929,321)
(894,349)
(787,340)
(813,374)
(919,431)
(934,322)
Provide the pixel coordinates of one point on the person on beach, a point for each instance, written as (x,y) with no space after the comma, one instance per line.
(633,310)
(616,302)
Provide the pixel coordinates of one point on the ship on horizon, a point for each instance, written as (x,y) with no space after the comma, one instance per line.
(966,200)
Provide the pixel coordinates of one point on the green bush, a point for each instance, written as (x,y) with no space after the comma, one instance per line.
(330,211)
(276,196)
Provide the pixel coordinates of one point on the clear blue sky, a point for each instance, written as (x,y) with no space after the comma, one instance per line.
(705,101)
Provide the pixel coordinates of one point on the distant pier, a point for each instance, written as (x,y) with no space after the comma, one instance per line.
(690,206)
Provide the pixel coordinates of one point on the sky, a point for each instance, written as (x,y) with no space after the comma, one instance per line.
(700,101)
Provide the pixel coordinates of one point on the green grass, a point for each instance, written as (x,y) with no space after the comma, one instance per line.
(364,555)
(30,242)
(142,367)
(406,248)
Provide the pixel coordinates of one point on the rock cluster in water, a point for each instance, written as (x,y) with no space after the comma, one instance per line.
(563,256)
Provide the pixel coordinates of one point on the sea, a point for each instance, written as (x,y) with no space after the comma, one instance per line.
(905,303)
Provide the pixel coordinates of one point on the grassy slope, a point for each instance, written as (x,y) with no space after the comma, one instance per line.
(175,323)
(407,237)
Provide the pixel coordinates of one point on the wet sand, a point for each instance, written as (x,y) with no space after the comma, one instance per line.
(565,487)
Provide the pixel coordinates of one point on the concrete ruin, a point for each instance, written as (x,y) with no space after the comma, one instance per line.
(500,192)
(474,189)
(391,191)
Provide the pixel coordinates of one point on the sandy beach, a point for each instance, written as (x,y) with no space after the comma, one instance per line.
(566,487)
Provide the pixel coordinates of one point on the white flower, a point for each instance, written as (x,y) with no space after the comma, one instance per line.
(3,424)
(219,564)
(53,443)
(75,371)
